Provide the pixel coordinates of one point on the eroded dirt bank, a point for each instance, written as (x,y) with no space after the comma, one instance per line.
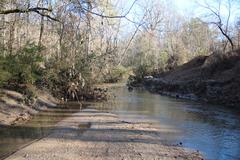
(14,110)
(214,79)
(91,134)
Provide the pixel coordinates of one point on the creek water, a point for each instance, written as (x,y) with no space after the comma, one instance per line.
(15,137)
(213,130)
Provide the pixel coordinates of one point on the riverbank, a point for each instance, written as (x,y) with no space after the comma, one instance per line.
(92,134)
(213,79)
(14,109)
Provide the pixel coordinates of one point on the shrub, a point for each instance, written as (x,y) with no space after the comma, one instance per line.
(29,97)
(115,75)
(21,67)
(60,75)
(141,71)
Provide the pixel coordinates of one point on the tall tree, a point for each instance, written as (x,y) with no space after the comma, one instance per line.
(218,19)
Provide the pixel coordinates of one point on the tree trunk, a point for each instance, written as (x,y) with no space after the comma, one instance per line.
(60,40)
(28,20)
(226,36)
(238,39)
(11,35)
(41,32)
(2,33)
(88,27)
(41,28)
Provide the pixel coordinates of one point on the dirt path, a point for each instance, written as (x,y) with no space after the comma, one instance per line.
(91,134)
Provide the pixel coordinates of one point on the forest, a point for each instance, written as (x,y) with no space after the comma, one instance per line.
(119,79)
(68,45)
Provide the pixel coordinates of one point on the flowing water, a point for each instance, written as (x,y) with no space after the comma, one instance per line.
(213,130)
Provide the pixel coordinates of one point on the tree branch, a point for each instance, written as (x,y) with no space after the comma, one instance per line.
(108,16)
(219,24)
(130,41)
(228,38)
(35,9)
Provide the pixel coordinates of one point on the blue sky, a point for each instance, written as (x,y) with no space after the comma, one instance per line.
(192,8)
(186,8)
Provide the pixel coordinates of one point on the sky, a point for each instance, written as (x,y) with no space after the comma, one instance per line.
(187,8)
(193,6)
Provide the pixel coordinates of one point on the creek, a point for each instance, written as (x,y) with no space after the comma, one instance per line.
(213,130)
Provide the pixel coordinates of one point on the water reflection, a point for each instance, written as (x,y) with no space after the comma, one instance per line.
(213,130)
(15,137)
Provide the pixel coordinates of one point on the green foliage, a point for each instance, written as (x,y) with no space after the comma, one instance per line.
(116,74)
(163,60)
(83,64)
(4,76)
(60,74)
(29,97)
(142,70)
(22,67)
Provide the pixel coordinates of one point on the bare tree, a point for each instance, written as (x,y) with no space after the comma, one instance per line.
(41,25)
(218,19)
(39,10)
(237,27)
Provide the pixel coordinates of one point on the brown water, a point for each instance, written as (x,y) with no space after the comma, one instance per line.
(213,130)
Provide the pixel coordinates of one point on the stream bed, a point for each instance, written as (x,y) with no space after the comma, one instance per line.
(212,130)
(13,138)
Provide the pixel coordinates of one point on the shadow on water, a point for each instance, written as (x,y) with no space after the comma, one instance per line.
(213,130)
(14,137)
(29,132)
(94,134)
(105,134)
